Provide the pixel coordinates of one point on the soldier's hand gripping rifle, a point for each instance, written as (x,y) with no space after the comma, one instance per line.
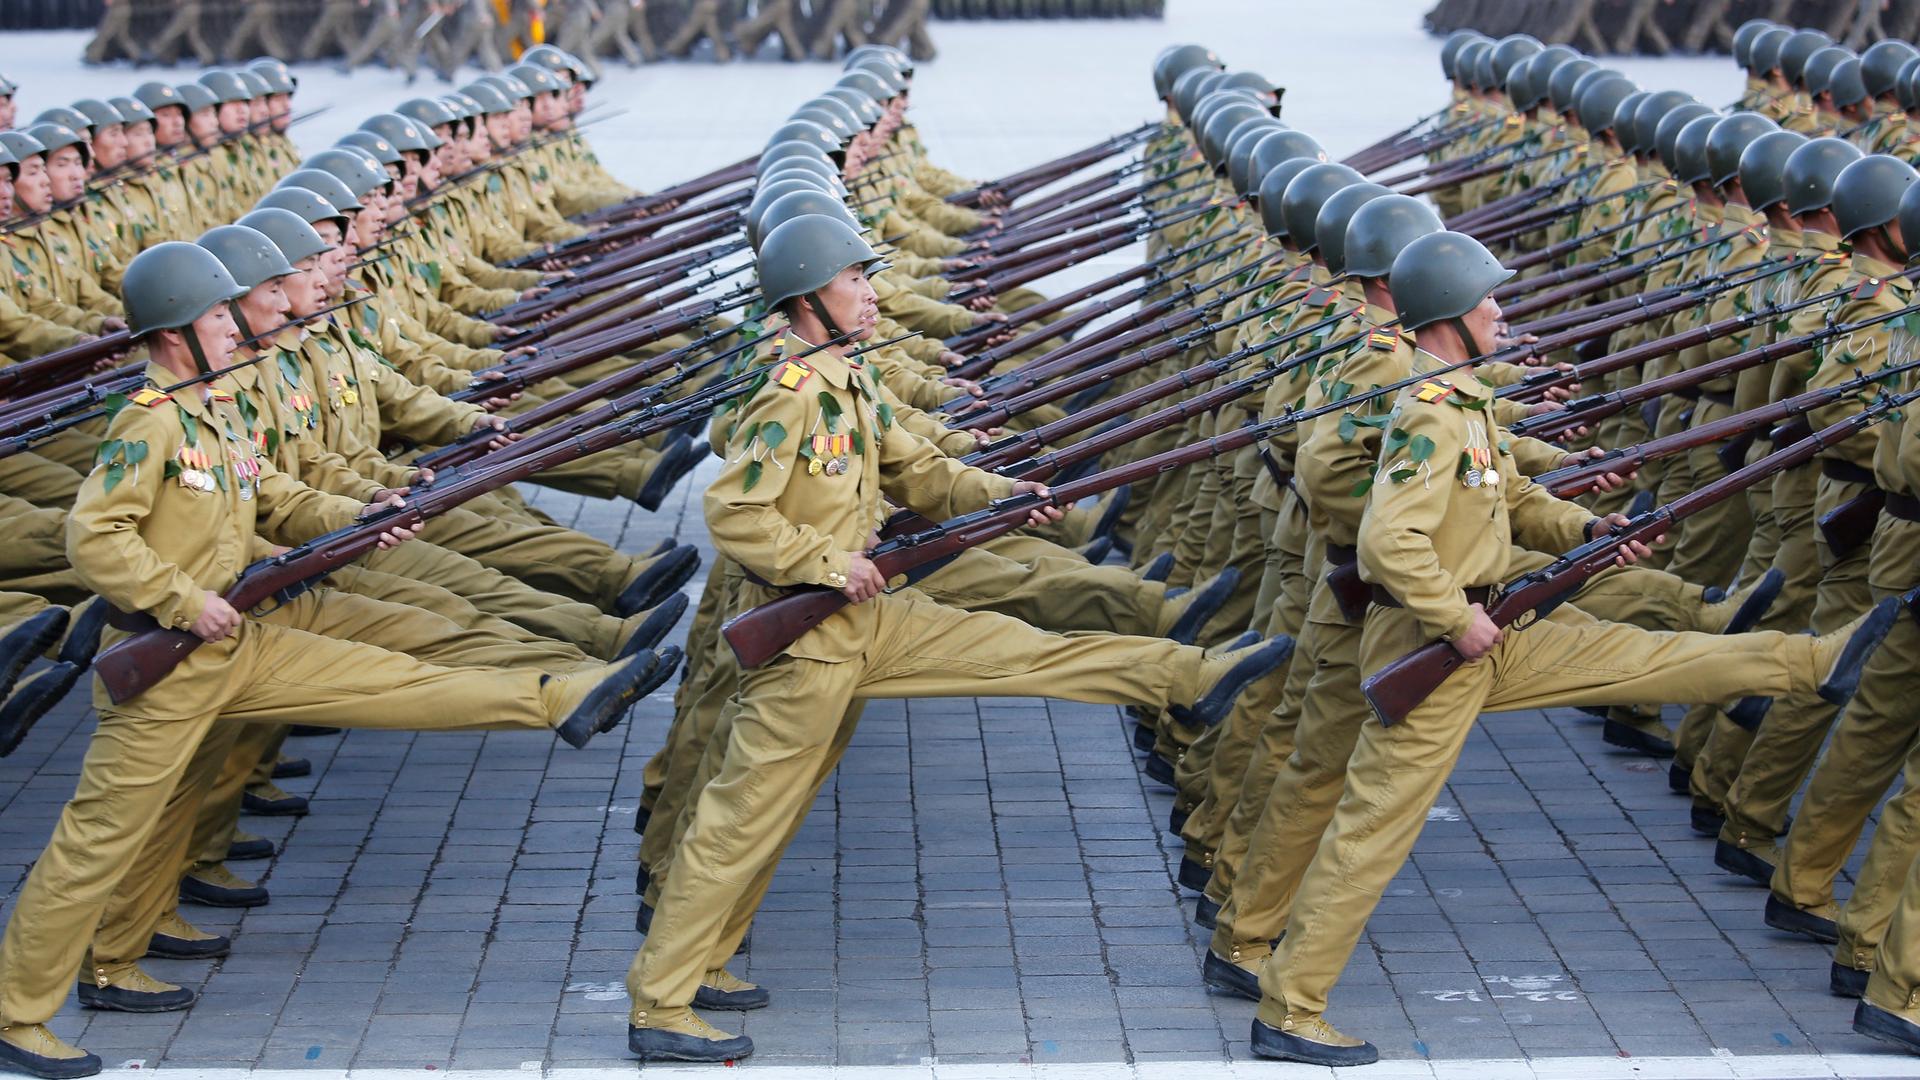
(1572,481)
(1398,688)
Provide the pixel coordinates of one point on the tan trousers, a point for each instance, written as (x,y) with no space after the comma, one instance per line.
(1395,773)
(272,670)
(333,32)
(786,725)
(1895,984)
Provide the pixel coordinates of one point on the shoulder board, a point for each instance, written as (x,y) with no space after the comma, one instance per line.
(791,374)
(1670,184)
(1299,273)
(219,395)
(1868,289)
(1831,258)
(149,397)
(1319,297)
(1383,339)
(1431,392)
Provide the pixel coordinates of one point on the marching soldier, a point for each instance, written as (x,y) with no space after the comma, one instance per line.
(623,25)
(114,39)
(186,27)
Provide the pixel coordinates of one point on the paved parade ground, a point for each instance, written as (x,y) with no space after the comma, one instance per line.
(984,890)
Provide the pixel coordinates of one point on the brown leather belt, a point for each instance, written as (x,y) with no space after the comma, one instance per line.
(133,622)
(1476,594)
(1846,472)
(1341,554)
(1904,507)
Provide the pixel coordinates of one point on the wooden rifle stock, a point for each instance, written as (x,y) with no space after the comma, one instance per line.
(1398,688)
(57,366)
(686,189)
(1848,526)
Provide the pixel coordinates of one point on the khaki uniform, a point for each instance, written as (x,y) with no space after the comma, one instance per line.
(1430,532)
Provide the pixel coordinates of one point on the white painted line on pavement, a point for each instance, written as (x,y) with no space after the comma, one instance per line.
(1723,1065)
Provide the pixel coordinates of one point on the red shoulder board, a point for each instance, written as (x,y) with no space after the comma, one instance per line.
(1299,273)
(148,397)
(1320,297)
(791,374)
(1431,392)
(1868,289)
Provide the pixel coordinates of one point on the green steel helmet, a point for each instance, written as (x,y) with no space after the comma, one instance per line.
(362,153)
(1667,132)
(1743,37)
(463,108)
(1867,193)
(290,233)
(1910,218)
(1689,164)
(1810,172)
(9,162)
(360,173)
(767,194)
(868,83)
(889,76)
(1880,65)
(797,204)
(781,153)
(1256,84)
(324,184)
(1510,50)
(808,132)
(21,146)
(793,170)
(810,161)
(1819,68)
(249,255)
(257,86)
(1729,139)
(1763,166)
(513,88)
(132,110)
(1763,56)
(158,95)
(99,114)
(1484,77)
(1797,50)
(1213,137)
(1273,194)
(804,254)
(169,285)
(843,113)
(1527,82)
(1330,224)
(551,57)
(384,153)
(308,205)
(841,126)
(1273,148)
(1623,115)
(1193,86)
(59,137)
(1442,276)
(1560,82)
(1380,228)
(1217,100)
(1906,86)
(489,99)
(381,150)
(536,78)
(426,112)
(66,117)
(864,107)
(1647,116)
(1600,100)
(405,135)
(1450,49)
(1847,85)
(1240,148)
(279,77)
(225,85)
(1309,191)
(194,97)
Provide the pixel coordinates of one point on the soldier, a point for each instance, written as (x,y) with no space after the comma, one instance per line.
(7,89)
(787,524)
(1434,538)
(186,27)
(160,543)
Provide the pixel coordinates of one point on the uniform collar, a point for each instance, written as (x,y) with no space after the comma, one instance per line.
(824,363)
(1463,380)
(1874,268)
(1816,240)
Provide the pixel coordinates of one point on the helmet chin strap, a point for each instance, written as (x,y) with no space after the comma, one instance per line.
(199,355)
(819,310)
(239,320)
(1459,324)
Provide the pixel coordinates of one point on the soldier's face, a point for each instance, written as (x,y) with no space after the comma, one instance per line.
(500,129)
(280,107)
(332,263)
(170,125)
(32,187)
(233,117)
(478,147)
(576,98)
(306,291)
(548,109)
(522,121)
(6,111)
(427,177)
(139,141)
(218,334)
(850,299)
(257,111)
(6,192)
(1483,321)
(265,306)
(204,126)
(110,146)
(67,173)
